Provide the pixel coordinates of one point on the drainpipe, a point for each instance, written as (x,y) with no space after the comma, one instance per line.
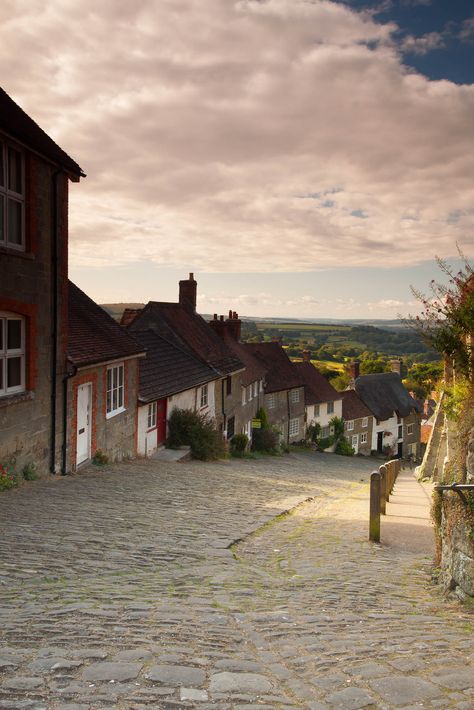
(289,415)
(54,314)
(70,373)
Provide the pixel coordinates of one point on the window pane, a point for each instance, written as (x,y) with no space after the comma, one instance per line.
(109,380)
(2,322)
(14,235)
(114,399)
(109,401)
(14,372)
(15,178)
(14,335)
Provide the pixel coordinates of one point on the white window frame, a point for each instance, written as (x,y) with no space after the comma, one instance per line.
(115,389)
(255,388)
(350,425)
(249,393)
(355,441)
(9,195)
(330,407)
(316,410)
(409,429)
(365,422)
(151,415)
(261,385)
(244,395)
(294,427)
(295,396)
(7,354)
(363,437)
(325,432)
(271,400)
(203,396)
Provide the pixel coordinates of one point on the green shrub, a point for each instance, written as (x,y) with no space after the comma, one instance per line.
(8,478)
(189,428)
(265,440)
(99,458)
(29,472)
(238,445)
(262,415)
(344,448)
(313,432)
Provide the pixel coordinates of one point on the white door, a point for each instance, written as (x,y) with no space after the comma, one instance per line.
(83,447)
(355,443)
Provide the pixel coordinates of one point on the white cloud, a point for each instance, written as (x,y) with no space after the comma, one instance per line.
(200,122)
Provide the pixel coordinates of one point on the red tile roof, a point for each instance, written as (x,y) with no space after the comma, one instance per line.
(254,369)
(316,388)
(353,407)
(185,328)
(17,123)
(93,335)
(167,369)
(280,371)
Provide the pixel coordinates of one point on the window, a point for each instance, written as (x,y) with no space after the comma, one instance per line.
(230,427)
(115,390)
(228,385)
(12,197)
(324,432)
(409,429)
(330,407)
(255,389)
(400,431)
(249,393)
(350,425)
(12,354)
(271,401)
(363,438)
(152,415)
(244,393)
(203,399)
(365,422)
(261,385)
(295,396)
(294,427)
(316,410)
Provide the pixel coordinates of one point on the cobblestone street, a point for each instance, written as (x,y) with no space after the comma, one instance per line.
(155,585)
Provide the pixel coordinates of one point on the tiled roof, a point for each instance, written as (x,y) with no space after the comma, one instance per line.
(316,387)
(129,315)
(353,407)
(185,328)
(280,372)
(167,369)
(18,125)
(385,395)
(254,369)
(93,335)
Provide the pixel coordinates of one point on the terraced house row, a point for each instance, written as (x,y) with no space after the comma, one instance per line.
(73,382)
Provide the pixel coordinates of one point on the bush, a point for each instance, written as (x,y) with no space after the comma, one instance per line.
(29,472)
(265,440)
(188,428)
(99,458)
(344,448)
(8,478)
(313,432)
(262,415)
(238,445)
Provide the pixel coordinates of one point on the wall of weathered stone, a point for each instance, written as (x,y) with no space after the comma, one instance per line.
(457,535)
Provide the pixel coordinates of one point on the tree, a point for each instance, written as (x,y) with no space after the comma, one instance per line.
(447,320)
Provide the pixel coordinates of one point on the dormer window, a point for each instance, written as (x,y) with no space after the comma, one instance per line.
(12,197)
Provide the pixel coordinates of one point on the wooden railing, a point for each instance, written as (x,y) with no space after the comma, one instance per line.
(381,485)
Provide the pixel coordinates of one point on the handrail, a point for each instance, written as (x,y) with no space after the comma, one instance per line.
(457,488)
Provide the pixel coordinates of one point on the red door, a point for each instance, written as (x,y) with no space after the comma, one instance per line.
(161,421)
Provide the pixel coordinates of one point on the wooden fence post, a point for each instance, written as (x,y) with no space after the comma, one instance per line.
(374,516)
(384,486)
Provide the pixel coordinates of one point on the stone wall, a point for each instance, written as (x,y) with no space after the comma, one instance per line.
(29,424)
(457,535)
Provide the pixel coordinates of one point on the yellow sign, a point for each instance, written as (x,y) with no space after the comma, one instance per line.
(256,423)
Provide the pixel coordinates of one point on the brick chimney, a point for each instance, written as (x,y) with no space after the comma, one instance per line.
(306,355)
(397,364)
(354,369)
(188,293)
(233,325)
(218,325)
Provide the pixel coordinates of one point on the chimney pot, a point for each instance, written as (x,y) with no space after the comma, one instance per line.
(306,355)
(188,293)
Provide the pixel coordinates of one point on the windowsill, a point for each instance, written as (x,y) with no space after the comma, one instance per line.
(110,415)
(16,252)
(9,399)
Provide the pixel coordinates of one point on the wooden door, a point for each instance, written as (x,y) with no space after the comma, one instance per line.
(161,421)
(83,434)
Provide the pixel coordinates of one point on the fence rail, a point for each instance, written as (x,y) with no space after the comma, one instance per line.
(381,485)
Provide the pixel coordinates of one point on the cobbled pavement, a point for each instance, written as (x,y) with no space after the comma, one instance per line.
(149,585)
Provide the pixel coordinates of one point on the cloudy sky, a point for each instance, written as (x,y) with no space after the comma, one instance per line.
(301,157)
